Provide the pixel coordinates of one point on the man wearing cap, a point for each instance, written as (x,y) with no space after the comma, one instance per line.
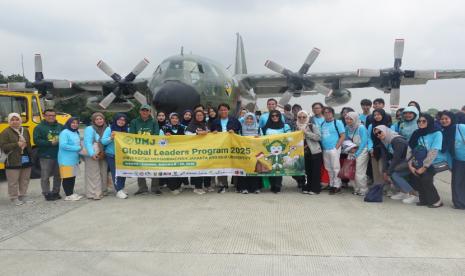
(144,124)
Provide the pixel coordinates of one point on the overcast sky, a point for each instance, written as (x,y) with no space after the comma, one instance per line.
(73,35)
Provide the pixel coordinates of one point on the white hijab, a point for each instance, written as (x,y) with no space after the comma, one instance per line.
(302,124)
(389,133)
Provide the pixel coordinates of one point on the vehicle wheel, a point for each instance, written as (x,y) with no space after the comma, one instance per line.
(35,172)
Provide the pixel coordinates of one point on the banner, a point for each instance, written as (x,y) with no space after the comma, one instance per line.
(139,155)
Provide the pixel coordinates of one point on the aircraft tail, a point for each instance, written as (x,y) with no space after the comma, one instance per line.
(241,66)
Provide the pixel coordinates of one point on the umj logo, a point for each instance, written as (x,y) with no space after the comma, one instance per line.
(144,141)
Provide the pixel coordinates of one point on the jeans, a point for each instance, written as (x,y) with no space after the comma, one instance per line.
(119,181)
(48,168)
(400,182)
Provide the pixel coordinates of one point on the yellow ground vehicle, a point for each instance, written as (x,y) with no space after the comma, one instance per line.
(30,106)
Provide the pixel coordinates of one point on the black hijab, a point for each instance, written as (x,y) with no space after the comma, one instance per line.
(186,122)
(384,121)
(420,132)
(448,134)
(194,124)
(273,125)
(115,127)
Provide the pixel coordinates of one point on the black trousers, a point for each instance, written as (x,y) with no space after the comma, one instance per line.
(458,184)
(249,183)
(68,185)
(198,182)
(424,185)
(174,183)
(276,182)
(313,171)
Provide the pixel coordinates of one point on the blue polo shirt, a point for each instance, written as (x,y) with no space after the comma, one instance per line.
(329,134)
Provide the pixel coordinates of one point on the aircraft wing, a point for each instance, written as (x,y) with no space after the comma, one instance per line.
(268,85)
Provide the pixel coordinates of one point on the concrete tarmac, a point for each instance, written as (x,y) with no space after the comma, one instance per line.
(230,234)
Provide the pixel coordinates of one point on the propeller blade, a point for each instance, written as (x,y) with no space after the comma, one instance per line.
(285,98)
(425,74)
(137,70)
(102,65)
(140,98)
(107,100)
(398,52)
(39,75)
(368,73)
(273,66)
(61,84)
(322,89)
(394,99)
(309,61)
(16,86)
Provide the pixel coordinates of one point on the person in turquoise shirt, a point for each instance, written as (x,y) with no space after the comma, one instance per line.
(365,104)
(332,136)
(424,146)
(409,122)
(357,133)
(317,118)
(119,124)
(453,144)
(271,104)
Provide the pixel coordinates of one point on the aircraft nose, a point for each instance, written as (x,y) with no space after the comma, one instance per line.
(175,96)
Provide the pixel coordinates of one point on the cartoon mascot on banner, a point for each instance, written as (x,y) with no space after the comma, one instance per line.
(278,157)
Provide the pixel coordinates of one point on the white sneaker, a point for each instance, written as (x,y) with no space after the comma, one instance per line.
(25,199)
(210,189)
(411,199)
(245,192)
(175,192)
(17,202)
(400,196)
(76,197)
(305,192)
(199,191)
(121,194)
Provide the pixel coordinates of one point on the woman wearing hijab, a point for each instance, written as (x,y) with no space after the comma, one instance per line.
(344,112)
(15,141)
(198,127)
(375,147)
(120,124)
(69,146)
(274,125)
(248,184)
(212,115)
(95,164)
(396,145)
(186,117)
(161,119)
(453,144)
(424,146)
(357,133)
(313,154)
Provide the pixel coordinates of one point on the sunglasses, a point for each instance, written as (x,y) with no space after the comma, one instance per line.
(302,117)
(421,121)
(378,133)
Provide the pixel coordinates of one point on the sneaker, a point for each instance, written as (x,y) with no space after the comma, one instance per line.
(400,196)
(175,192)
(141,192)
(157,193)
(436,205)
(17,202)
(56,195)
(199,191)
(210,189)
(25,199)
(244,192)
(410,199)
(222,190)
(313,193)
(305,192)
(49,197)
(257,191)
(121,194)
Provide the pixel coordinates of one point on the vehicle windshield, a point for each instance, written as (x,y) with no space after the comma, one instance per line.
(9,104)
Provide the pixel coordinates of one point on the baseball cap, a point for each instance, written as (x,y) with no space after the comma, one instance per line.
(145,106)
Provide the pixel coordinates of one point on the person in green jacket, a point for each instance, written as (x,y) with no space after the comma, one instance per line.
(46,138)
(144,124)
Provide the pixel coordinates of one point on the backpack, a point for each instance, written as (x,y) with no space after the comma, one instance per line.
(335,126)
(375,194)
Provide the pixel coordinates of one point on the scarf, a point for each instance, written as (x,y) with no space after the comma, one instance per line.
(194,124)
(417,134)
(114,126)
(68,124)
(273,125)
(356,121)
(186,122)
(300,123)
(389,134)
(98,129)
(448,134)
(252,129)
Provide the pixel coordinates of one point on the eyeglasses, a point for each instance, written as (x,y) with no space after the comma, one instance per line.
(300,117)
(378,133)
(274,115)
(421,121)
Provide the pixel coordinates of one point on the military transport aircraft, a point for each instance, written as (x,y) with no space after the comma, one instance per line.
(182,81)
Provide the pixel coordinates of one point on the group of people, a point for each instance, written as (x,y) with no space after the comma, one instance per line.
(403,153)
